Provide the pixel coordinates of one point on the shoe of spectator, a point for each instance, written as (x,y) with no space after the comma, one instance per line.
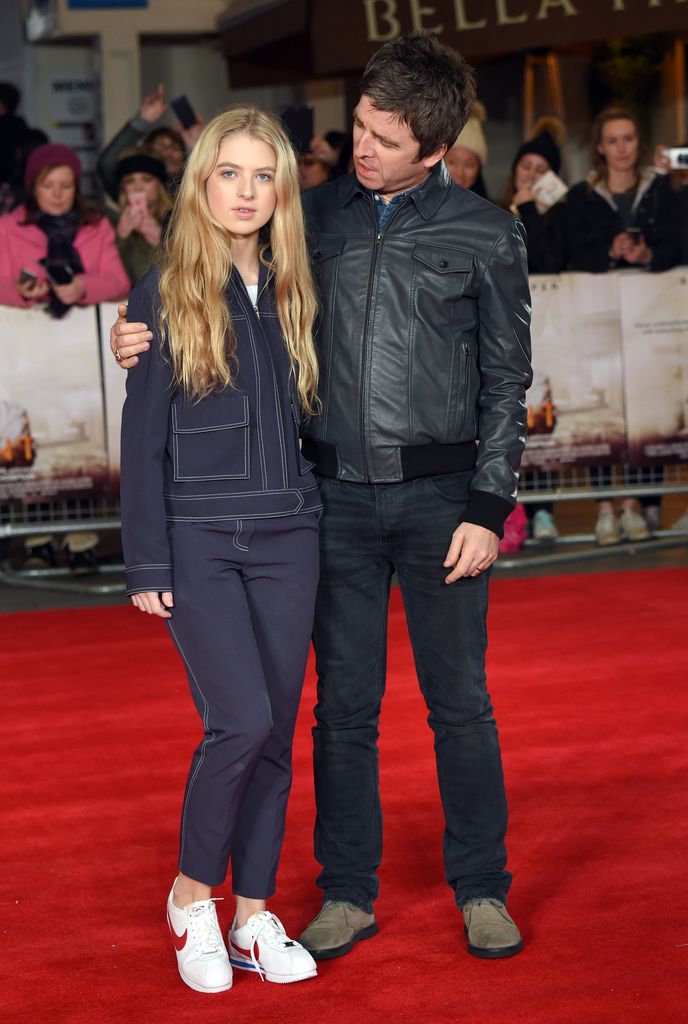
(681,523)
(81,555)
(607,529)
(633,525)
(40,552)
(653,517)
(544,527)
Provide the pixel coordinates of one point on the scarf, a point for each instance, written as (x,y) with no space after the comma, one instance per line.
(61,232)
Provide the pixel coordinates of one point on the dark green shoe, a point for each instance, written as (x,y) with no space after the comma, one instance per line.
(337,929)
(491,932)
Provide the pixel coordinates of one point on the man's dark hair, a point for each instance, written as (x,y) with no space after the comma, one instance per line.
(9,96)
(430,87)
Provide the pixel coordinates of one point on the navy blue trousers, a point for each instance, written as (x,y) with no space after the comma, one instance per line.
(244,592)
(368,531)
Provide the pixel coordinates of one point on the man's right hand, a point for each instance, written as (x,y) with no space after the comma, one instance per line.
(128,339)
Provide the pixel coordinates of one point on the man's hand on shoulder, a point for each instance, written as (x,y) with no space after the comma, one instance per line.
(473,549)
(127,340)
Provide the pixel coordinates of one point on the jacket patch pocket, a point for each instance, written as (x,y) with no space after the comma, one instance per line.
(439,279)
(210,440)
(304,465)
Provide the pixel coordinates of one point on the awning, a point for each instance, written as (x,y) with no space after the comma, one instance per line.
(298,39)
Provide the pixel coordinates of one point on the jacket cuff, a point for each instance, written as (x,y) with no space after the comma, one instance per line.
(488,510)
(140,125)
(157,578)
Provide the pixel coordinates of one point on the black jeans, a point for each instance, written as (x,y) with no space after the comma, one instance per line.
(367,532)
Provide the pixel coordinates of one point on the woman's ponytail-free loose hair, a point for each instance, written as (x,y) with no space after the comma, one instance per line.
(196,264)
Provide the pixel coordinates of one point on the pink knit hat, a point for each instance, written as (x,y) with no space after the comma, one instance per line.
(51,154)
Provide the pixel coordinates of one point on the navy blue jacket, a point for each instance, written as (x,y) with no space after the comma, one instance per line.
(233,455)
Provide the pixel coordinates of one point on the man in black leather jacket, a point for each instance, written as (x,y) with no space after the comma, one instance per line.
(425,359)
(424,349)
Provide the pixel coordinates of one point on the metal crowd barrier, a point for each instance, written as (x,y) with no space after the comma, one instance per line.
(567,485)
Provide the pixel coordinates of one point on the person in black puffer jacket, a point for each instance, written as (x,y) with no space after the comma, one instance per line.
(621,216)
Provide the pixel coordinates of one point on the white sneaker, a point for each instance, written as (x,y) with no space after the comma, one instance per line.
(201,954)
(544,527)
(633,525)
(262,945)
(607,529)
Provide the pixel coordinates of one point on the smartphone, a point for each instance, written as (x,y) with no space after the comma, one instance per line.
(636,235)
(27,276)
(186,115)
(298,122)
(678,158)
(138,201)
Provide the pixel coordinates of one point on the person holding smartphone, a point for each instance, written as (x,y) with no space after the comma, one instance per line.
(144,208)
(56,248)
(622,216)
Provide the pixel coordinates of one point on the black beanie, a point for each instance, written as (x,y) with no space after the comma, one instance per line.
(141,163)
(542,145)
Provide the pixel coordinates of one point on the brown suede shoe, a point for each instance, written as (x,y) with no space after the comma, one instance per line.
(336,930)
(491,932)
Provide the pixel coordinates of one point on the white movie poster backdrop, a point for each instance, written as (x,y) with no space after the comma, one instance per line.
(654,319)
(50,390)
(114,390)
(575,406)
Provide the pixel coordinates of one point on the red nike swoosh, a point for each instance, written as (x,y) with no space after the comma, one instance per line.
(246,952)
(178,940)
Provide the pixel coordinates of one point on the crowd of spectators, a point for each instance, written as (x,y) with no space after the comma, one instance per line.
(58,249)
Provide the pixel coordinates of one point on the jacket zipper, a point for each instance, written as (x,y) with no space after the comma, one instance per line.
(466,375)
(377,248)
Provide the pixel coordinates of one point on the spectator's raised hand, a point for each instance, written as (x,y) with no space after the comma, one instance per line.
(322,150)
(191,135)
(149,228)
(130,220)
(153,107)
(660,159)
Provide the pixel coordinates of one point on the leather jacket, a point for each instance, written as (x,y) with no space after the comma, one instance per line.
(423,340)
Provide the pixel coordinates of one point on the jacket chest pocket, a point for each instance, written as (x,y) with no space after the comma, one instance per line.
(210,440)
(439,279)
(325,259)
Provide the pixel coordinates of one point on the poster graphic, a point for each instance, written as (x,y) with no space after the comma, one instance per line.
(654,322)
(575,406)
(52,443)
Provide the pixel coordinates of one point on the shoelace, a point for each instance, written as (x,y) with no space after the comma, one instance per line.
(270,930)
(203,921)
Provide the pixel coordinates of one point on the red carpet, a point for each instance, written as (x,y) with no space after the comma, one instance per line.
(589,677)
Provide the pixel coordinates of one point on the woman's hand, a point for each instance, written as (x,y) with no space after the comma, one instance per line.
(631,248)
(150,230)
(153,603)
(70,293)
(130,220)
(32,291)
(524,195)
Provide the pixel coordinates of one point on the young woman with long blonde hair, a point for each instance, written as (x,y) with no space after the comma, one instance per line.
(219,521)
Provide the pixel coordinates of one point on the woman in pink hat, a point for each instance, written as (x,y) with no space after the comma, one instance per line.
(57,249)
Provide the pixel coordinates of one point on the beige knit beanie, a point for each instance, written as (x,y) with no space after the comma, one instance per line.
(472,136)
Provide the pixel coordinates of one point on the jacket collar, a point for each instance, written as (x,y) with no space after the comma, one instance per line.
(427,198)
